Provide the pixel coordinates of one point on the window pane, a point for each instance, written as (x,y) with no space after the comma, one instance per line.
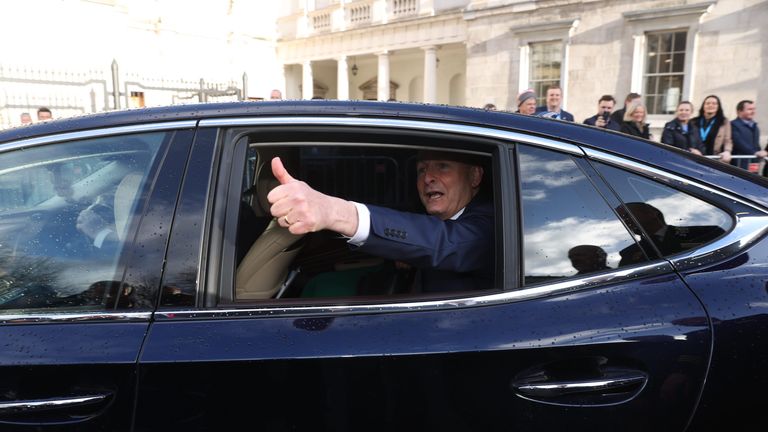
(665,60)
(673,220)
(568,229)
(545,67)
(66,211)
(680,42)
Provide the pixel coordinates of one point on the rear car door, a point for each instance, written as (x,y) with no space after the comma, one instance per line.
(565,336)
(85,218)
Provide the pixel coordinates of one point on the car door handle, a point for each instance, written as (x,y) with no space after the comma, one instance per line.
(563,388)
(38,405)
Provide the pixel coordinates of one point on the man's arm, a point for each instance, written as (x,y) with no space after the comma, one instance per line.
(461,245)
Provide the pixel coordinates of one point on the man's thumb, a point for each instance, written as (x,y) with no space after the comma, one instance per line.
(279,171)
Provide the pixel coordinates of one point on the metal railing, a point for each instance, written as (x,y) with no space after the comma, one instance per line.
(747,162)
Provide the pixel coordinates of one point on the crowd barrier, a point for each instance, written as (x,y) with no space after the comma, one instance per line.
(748,162)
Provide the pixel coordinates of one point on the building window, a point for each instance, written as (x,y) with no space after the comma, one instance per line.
(546,61)
(664,70)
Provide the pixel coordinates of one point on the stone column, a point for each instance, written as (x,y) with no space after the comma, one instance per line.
(430,74)
(307,82)
(342,79)
(383,77)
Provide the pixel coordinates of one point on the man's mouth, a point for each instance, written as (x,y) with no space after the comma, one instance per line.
(433,195)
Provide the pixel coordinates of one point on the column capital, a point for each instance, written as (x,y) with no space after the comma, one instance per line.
(383,53)
(430,48)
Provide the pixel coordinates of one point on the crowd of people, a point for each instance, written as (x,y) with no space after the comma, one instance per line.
(43,114)
(709,133)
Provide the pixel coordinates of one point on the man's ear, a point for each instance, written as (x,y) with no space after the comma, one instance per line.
(476,175)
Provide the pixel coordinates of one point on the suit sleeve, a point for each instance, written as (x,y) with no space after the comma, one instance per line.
(424,241)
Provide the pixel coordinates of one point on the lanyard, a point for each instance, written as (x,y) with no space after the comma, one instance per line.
(703,132)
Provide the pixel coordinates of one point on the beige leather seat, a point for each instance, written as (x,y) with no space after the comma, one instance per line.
(125,198)
(265,267)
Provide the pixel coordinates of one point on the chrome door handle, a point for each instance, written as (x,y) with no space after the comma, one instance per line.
(37,405)
(561,388)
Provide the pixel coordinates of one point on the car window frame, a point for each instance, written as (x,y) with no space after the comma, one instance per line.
(229,184)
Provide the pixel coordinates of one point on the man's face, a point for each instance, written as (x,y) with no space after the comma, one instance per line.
(26,118)
(445,187)
(554,96)
(748,113)
(275,95)
(44,115)
(528,107)
(605,106)
(629,102)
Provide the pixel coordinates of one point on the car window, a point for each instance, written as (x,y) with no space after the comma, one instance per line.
(673,220)
(272,264)
(66,212)
(568,228)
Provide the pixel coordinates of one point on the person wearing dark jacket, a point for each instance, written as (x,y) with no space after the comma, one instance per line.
(634,121)
(618,115)
(681,133)
(745,133)
(603,118)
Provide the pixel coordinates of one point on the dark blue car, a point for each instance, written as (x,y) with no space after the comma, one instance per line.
(144,284)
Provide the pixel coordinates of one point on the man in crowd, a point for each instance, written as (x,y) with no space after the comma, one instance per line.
(603,117)
(26,118)
(275,95)
(554,108)
(451,245)
(745,133)
(43,114)
(618,115)
(526,102)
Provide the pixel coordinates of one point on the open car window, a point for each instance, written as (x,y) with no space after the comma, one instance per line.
(272,265)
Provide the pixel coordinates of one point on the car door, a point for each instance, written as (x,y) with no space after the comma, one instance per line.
(622,345)
(84,221)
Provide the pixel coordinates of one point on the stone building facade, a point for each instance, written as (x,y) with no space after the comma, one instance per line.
(471,53)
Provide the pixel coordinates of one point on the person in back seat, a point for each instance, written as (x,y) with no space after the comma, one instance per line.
(452,244)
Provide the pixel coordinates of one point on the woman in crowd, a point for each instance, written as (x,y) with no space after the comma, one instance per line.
(714,129)
(634,121)
(681,132)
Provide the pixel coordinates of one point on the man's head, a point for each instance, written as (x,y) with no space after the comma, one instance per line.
(447,182)
(554,98)
(275,95)
(631,98)
(588,258)
(526,102)
(605,104)
(649,217)
(43,114)
(26,118)
(746,110)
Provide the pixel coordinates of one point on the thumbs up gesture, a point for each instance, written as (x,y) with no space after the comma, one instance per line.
(302,210)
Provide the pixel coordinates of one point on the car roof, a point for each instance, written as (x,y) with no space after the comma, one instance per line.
(685,164)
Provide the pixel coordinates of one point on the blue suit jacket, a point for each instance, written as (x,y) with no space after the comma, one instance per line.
(453,255)
(564,115)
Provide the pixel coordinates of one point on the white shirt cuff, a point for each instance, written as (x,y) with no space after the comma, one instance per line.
(99,239)
(363,225)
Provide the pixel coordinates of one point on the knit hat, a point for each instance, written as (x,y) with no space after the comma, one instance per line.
(524,96)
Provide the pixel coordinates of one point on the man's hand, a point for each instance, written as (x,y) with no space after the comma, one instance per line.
(90,223)
(761,153)
(725,156)
(600,121)
(302,209)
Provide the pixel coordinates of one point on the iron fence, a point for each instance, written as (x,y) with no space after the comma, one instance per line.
(73,92)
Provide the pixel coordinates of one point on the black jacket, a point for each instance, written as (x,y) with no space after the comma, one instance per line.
(673,135)
(629,127)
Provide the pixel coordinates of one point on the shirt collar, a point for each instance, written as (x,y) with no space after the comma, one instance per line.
(458,213)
